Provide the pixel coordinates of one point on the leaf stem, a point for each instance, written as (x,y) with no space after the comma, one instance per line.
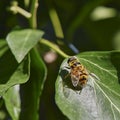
(33,19)
(56,23)
(16,9)
(54,47)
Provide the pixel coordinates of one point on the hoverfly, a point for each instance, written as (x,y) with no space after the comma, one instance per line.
(78,73)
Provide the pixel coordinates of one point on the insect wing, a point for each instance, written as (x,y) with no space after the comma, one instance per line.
(94,76)
(74,80)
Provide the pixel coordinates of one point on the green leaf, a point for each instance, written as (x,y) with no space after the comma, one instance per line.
(100,98)
(22,41)
(32,90)
(12,102)
(11,73)
(3,46)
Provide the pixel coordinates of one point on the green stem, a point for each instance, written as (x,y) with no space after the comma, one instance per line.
(16,9)
(54,47)
(56,23)
(33,19)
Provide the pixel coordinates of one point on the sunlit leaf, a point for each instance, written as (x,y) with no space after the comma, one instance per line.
(12,102)
(22,41)
(99,99)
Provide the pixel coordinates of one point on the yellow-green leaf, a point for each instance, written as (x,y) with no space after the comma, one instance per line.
(22,41)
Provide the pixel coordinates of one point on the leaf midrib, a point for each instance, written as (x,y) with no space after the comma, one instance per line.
(26,38)
(99,67)
(100,87)
(106,71)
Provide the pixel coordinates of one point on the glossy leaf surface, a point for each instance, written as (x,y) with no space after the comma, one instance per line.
(12,102)
(22,41)
(100,98)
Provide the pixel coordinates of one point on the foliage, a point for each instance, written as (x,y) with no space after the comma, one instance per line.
(100,98)
(30,41)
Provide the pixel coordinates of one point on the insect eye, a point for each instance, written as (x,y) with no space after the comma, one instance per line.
(71,59)
(78,63)
(68,60)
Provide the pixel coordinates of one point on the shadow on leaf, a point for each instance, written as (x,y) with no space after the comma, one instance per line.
(67,84)
(115,59)
(8,65)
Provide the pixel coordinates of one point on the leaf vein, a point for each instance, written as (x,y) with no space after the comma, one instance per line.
(109,89)
(107,97)
(99,67)
(113,112)
(26,38)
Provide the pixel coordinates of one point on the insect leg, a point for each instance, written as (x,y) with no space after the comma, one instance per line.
(95,76)
(67,75)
